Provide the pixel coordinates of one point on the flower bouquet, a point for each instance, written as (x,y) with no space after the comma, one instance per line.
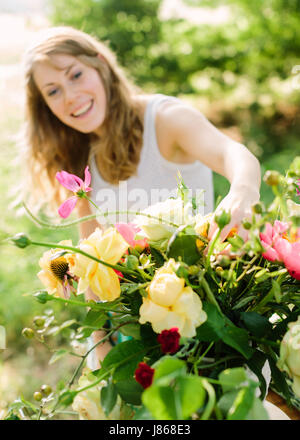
(203,326)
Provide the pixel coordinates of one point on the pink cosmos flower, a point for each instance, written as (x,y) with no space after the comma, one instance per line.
(269,238)
(75,184)
(128,232)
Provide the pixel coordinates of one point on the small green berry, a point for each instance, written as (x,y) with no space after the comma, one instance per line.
(37,396)
(46,389)
(28,333)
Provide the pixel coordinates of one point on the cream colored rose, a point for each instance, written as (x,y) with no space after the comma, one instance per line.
(170,304)
(54,270)
(172,210)
(289,360)
(108,246)
(87,403)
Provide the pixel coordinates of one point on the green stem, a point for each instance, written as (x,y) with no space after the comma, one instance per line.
(211,248)
(79,251)
(210,296)
(201,357)
(211,400)
(92,217)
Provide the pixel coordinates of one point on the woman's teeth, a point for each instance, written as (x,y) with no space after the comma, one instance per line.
(83,109)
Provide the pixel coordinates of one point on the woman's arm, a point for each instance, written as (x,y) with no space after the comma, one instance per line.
(85,229)
(189,130)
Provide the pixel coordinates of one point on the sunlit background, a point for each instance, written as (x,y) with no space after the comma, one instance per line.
(236,61)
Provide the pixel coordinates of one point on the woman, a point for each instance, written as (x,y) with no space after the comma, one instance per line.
(81,109)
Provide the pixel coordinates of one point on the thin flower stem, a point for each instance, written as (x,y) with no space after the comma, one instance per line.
(211,400)
(210,296)
(91,217)
(79,251)
(201,357)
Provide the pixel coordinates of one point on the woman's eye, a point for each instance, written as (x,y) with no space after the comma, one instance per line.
(52,92)
(77,75)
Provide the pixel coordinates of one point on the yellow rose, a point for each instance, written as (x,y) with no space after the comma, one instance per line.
(202,224)
(170,304)
(108,246)
(53,271)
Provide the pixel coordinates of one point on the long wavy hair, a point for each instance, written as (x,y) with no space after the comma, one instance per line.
(50,146)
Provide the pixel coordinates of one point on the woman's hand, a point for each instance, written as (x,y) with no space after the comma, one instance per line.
(238,202)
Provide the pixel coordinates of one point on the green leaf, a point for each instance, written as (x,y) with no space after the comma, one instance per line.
(57,355)
(176,402)
(124,357)
(95,319)
(191,394)
(183,244)
(130,391)
(160,401)
(108,397)
(236,242)
(219,327)
(256,364)
(168,368)
(242,404)
(232,378)
(257,324)
(243,302)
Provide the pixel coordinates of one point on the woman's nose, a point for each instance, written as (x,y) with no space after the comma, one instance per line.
(69,95)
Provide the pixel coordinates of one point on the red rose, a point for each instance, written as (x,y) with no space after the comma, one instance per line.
(169,340)
(144,374)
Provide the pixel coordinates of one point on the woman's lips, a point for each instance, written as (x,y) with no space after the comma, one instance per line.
(84,110)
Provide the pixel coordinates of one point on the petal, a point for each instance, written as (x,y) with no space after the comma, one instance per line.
(87,178)
(67,207)
(69,181)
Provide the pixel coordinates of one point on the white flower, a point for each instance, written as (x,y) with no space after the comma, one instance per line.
(87,403)
(170,211)
(289,360)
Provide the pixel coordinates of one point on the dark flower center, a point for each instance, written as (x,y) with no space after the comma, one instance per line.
(59,267)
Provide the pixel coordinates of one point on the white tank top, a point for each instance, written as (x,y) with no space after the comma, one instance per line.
(155,180)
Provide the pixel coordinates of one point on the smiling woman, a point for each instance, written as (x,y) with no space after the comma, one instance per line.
(73,91)
(82,110)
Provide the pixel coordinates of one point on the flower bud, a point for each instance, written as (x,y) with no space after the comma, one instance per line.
(21,240)
(46,389)
(271,177)
(37,396)
(257,208)
(193,270)
(132,262)
(222,219)
(39,321)
(246,224)
(28,333)
(42,297)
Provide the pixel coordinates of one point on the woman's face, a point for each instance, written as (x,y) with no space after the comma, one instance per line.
(73,91)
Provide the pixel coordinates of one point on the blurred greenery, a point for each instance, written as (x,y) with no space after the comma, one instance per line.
(239,74)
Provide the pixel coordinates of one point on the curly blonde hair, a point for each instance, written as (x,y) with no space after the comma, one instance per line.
(51,146)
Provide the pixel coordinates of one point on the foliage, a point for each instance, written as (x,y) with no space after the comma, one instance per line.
(243,304)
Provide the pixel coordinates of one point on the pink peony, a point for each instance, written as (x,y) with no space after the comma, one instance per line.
(289,253)
(75,184)
(269,238)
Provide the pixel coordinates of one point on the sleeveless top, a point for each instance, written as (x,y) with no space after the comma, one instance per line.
(156,177)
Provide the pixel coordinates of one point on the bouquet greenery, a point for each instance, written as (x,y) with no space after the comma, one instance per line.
(200,322)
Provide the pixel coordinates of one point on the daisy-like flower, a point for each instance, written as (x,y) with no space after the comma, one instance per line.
(75,184)
(55,273)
